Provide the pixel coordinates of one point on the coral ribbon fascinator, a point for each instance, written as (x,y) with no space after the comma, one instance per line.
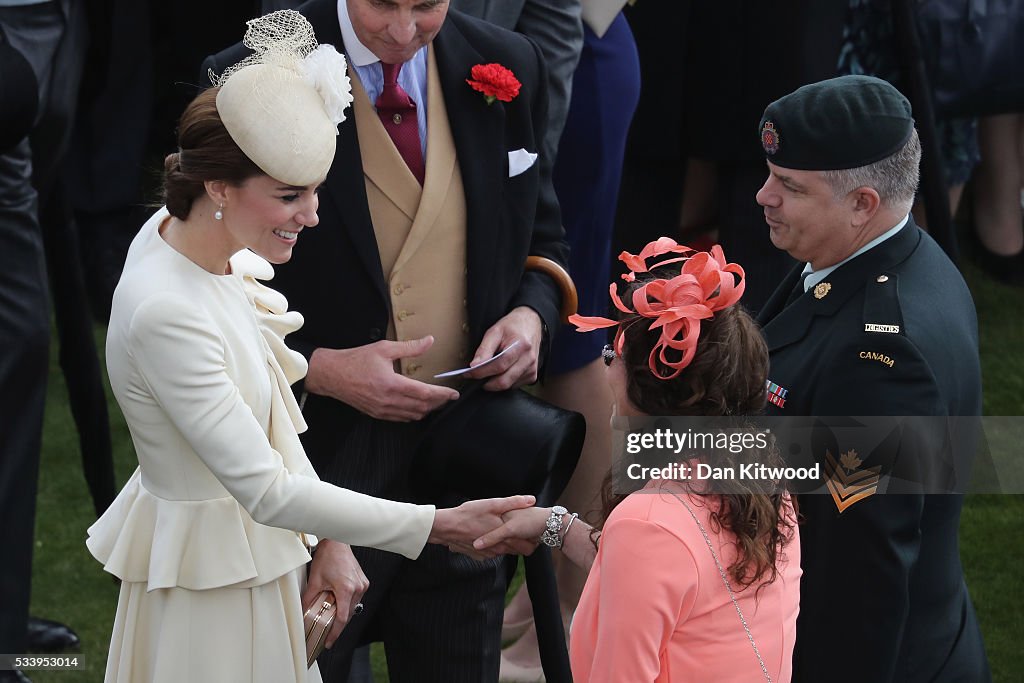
(675,303)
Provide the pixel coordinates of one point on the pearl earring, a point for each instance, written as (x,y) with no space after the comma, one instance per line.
(219,213)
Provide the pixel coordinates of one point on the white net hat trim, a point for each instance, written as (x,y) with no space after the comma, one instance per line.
(283,103)
(281,38)
(285,39)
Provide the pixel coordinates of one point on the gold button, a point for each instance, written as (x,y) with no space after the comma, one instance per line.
(465,327)
(397,118)
(402,315)
(883,278)
(398,289)
(414,368)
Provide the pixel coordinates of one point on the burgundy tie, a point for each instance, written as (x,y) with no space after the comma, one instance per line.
(397,112)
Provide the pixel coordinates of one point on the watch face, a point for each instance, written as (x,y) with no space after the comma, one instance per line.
(559,510)
(550,541)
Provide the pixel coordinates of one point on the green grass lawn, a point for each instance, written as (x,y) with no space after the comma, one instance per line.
(69,585)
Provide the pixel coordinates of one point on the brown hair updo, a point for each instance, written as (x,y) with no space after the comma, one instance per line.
(725,378)
(206,152)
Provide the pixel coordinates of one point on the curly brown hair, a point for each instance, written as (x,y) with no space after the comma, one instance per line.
(725,378)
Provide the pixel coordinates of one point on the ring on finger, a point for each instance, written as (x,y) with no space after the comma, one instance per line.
(358,609)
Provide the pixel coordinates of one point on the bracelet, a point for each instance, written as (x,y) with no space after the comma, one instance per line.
(551,537)
(565,533)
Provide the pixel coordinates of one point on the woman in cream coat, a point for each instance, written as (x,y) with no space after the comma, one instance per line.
(204,536)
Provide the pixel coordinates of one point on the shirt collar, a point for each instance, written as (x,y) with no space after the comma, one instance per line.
(358,54)
(816,276)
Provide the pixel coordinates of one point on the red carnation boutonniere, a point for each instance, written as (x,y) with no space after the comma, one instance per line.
(495,82)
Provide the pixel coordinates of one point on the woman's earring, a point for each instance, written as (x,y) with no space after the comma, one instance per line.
(219,213)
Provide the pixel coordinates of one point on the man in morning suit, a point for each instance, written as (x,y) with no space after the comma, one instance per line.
(416,268)
(874,321)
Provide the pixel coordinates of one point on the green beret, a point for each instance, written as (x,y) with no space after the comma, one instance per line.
(840,123)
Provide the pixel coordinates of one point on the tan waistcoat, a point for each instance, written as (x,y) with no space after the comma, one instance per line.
(421,233)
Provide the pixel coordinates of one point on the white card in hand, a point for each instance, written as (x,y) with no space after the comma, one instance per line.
(462,371)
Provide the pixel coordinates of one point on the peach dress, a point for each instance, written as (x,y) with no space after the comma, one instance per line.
(655,607)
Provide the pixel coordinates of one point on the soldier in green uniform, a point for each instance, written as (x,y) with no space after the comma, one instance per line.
(874,321)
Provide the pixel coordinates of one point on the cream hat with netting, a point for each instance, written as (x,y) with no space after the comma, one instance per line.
(282,104)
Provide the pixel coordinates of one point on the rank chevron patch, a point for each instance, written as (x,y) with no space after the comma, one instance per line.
(847,483)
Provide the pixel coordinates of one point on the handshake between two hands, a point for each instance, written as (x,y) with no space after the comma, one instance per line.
(494,526)
(478,528)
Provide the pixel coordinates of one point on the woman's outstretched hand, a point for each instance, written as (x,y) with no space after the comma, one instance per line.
(521,531)
(458,527)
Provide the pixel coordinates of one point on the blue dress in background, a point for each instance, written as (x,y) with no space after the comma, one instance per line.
(587,175)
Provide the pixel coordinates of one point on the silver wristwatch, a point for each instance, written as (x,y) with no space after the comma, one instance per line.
(552,526)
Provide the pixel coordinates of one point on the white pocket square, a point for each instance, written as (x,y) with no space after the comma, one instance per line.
(519,161)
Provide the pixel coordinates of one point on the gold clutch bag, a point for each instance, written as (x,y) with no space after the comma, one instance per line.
(317,621)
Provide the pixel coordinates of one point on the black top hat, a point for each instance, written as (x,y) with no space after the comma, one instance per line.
(490,444)
(19,95)
(502,443)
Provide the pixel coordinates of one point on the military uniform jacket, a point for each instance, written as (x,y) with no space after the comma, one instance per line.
(892,332)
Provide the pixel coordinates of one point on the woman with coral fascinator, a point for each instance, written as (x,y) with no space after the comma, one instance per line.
(687,581)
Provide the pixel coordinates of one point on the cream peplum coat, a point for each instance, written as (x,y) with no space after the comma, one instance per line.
(204,536)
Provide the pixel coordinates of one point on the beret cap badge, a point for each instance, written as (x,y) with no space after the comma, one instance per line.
(840,123)
(769,138)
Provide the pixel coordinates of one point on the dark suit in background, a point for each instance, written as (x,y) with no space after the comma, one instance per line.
(24,339)
(48,36)
(440,616)
(709,69)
